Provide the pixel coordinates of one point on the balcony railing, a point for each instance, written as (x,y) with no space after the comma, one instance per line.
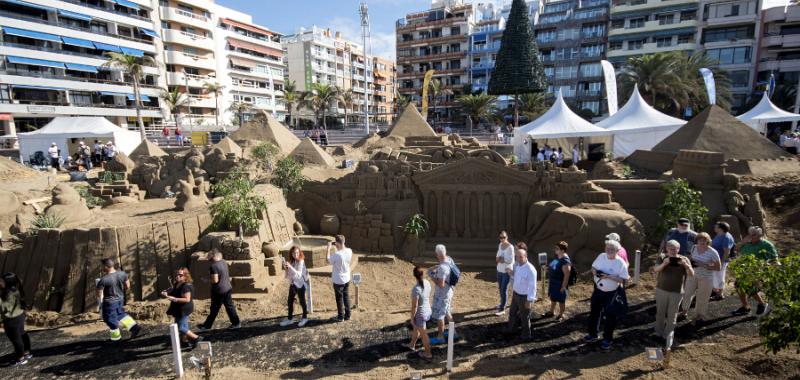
(36,102)
(108,9)
(69,26)
(48,75)
(190,14)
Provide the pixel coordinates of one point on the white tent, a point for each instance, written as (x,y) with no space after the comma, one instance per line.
(765,112)
(67,132)
(637,125)
(559,123)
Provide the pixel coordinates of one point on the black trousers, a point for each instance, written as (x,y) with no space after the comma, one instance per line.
(342,300)
(217,300)
(15,331)
(600,300)
(301,296)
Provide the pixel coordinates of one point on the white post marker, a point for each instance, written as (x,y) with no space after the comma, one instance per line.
(176,349)
(310,297)
(543,268)
(356,282)
(636,269)
(450,335)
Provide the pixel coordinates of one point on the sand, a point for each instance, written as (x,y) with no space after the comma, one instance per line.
(10,169)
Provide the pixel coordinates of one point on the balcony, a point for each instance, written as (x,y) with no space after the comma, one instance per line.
(23,107)
(651,47)
(483,66)
(777,64)
(79,81)
(181,79)
(430,57)
(649,5)
(39,21)
(202,101)
(109,9)
(431,39)
(404,25)
(781,41)
(741,19)
(652,26)
(185,59)
(186,38)
(730,42)
(485,48)
(184,17)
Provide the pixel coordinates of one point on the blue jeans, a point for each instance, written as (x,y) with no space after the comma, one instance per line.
(112,313)
(502,282)
(183,323)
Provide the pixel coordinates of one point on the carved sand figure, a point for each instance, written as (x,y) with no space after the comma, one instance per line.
(68,204)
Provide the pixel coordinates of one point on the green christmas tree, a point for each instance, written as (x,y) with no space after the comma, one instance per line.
(517,68)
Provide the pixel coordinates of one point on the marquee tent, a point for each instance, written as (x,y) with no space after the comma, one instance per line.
(67,132)
(637,125)
(766,112)
(559,126)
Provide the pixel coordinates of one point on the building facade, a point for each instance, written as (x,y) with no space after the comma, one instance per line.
(319,55)
(53,56)
(778,53)
(571,36)
(436,39)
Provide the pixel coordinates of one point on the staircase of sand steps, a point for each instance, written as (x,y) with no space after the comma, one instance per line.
(469,254)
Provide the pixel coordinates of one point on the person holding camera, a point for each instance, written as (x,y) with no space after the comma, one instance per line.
(608,299)
(340,275)
(705,261)
(672,272)
(181,305)
(297,275)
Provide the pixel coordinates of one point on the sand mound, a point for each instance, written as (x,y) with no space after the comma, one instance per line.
(11,169)
(271,130)
(146,149)
(411,123)
(308,152)
(228,146)
(716,130)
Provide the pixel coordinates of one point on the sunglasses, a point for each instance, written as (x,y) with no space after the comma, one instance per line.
(180,275)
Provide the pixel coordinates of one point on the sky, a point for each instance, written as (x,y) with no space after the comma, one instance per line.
(287,16)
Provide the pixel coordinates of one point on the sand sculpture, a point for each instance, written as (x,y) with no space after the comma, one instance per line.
(68,204)
(159,176)
(270,130)
(191,195)
(308,152)
(120,164)
(228,147)
(146,149)
(411,123)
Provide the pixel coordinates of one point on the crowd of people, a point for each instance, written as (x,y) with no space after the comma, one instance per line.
(318,135)
(790,141)
(177,132)
(690,273)
(84,159)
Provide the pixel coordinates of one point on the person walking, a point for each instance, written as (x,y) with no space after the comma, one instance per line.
(221,292)
(683,234)
(85,154)
(672,273)
(420,313)
(755,244)
(340,260)
(181,305)
(443,292)
(165,134)
(12,313)
(111,151)
(505,264)
(524,295)
(558,280)
(297,275)
(110,292)
(179,136)
(724,244)
(705,261)
(610,274)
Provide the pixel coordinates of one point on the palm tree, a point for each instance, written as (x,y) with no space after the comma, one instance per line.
(346,97)
(215,88)
(292,97)
(658,77)
(400,102)
(320,99)
(133,66)
(698,96)
(534,104)
(174,99)
(436,91)
(476,107)
(240,109)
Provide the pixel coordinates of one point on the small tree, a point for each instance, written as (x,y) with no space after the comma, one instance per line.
(780,329)
(681,201)
(288,175)
(264,155)
(416,226)
(240,206)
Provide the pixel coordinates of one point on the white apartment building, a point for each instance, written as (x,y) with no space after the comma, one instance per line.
(52,56)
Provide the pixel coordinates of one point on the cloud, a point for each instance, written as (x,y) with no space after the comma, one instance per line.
(383,44)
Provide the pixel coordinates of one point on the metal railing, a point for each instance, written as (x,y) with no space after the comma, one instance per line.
(36,102)
(108,9)
(73,27)
(48,75)
(189,14)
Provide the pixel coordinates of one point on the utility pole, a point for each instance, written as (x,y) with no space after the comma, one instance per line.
(365,36)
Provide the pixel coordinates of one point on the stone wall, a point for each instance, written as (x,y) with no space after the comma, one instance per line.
(58,267)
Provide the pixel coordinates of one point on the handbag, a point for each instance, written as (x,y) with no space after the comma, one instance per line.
(618,306)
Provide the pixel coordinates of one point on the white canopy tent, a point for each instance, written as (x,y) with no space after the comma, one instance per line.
(559,123)
(67,132)
(637,125)
(765,112)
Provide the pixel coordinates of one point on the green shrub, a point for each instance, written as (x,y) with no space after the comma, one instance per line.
(91,200)
(416,225)
(681,201)
(46,221)
(109,177)
(239,207)
(288,175)
(264,155)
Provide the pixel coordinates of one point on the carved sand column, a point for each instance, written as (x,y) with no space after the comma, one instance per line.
(439,212)
(453,228)
(467,209)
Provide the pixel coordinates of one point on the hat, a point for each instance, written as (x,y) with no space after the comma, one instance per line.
(613,236)
(683,221)
(81,143)
(53,144)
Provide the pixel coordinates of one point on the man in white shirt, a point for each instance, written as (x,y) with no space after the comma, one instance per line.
(54,156)
(524,295)
(442,293)
(340,260)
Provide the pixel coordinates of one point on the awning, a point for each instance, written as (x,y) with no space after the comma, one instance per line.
(149,32)
(78,42)
(126,3)
(74,15)
(107,47)
(254,47)
(133,52)
(5,116)
(34,62)
(108,93)
(79,67)
(244,26)
(144,97)
(25,86)
(243,62)
(31,34)
(27,4)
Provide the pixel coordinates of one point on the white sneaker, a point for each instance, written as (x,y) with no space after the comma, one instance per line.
(500,313)
(286,322)
(302,322)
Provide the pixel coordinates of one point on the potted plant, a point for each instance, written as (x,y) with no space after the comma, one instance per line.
(415,228)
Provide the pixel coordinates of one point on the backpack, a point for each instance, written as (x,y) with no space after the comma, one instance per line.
(455,274)
(573,276)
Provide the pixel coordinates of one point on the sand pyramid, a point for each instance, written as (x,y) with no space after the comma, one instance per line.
(228,146)
(411,123)
(716,130)
(272,131)
(309,152)
(147,149)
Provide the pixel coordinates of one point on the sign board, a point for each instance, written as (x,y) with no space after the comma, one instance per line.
(356,279)
(41,109)
(543,258)
(654,353)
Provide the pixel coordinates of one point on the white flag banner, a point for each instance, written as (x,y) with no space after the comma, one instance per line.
(711,87)
(611,86)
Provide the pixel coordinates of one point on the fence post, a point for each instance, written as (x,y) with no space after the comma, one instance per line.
(450,336)
(637,267)
(176,349)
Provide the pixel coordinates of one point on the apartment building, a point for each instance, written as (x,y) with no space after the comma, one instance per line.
(207,43)
(651,26)
(484,44)
(51,62)
(438,39)
(319,55)
(571,36)
(779,50)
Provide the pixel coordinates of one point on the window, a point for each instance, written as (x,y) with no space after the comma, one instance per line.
(553,19)
(580,15)
(636,22)
(593,31)
(730,56)
(730,9)
(549,71)
(591,70)
(547,55)
(591,88)
(592,105)
(685,39)
(592,50)
(617,24)
(739,78)
(665,19)
(566,53)
(80,98)
(636,44)
(568,34)
(566,72)
(726,34)
(455,64)
(615,45)
(663,41)
(553,8)
(544,36)
(688,15)
(454,31)
(567,91)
